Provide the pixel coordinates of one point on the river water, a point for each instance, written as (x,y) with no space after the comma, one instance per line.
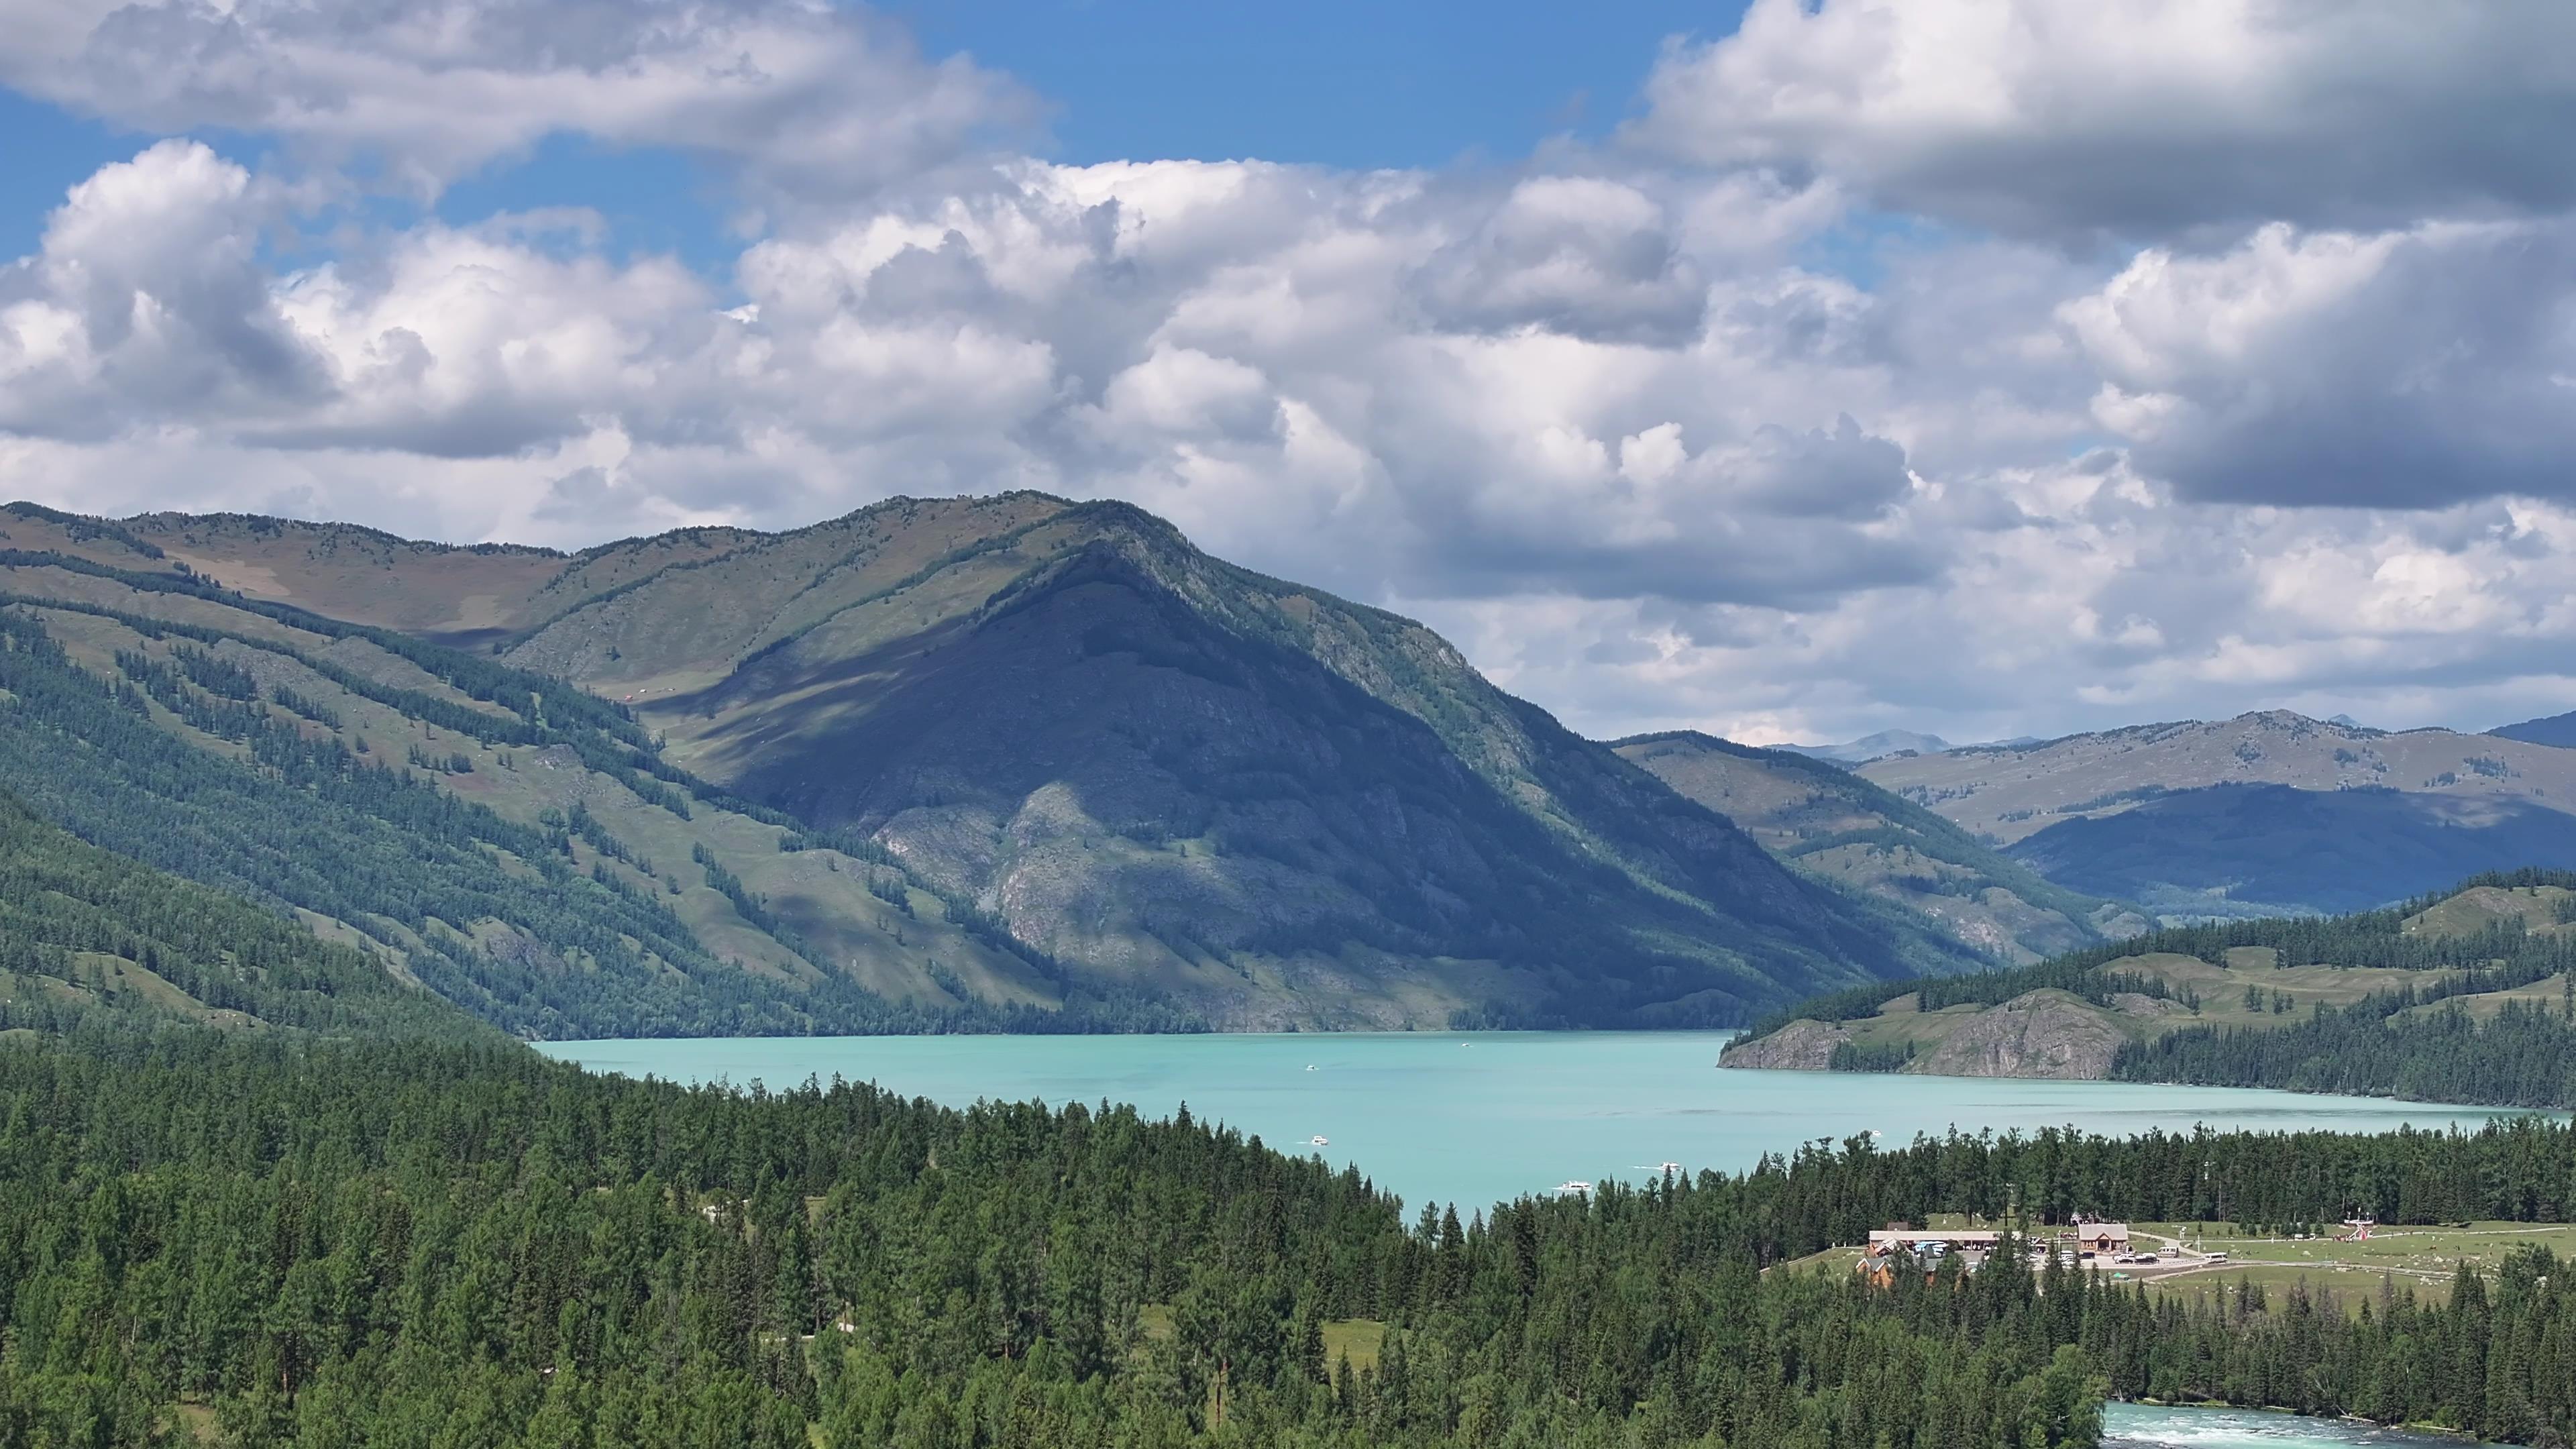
(1474,1118)
(2135,1426)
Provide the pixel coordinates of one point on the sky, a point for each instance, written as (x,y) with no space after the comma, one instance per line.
(1790,370)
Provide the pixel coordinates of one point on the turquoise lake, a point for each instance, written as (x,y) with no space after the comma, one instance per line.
(2133,1426)
(1475,1118)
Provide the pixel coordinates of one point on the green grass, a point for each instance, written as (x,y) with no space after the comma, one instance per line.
(1356,1339)
(2422,1259)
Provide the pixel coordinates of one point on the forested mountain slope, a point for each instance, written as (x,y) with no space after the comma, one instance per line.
(2258,815)
(2467,996)
(509,841)
(1824,820)
(1128,773)
(86,934)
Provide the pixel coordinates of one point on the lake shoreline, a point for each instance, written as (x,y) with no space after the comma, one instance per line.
(1477,1117)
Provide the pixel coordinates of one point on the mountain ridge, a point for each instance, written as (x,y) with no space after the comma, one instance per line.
(1494,867)
(1823,819)
(2174,815)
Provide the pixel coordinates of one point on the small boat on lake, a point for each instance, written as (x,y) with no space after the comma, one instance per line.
(1319,1140)
(1572,1185)
(1670,1168)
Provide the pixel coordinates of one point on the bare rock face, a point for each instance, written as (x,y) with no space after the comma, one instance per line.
(2047,1034)
(1801,1046)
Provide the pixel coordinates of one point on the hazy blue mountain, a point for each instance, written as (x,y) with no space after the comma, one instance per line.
(2236,850)
(1873,747)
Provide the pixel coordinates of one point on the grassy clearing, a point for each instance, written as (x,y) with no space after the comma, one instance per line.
(2472,911)
(2421,1259)
(1356,1339)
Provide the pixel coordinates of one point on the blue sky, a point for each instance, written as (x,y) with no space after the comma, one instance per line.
(1334,83)
(1329,81)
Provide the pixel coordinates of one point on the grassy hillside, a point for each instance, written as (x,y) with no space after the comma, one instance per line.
(2467,996)
(1048,752)
(1831,823)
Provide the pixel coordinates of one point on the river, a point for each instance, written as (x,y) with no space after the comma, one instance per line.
(1474,1118)
(2137,1426)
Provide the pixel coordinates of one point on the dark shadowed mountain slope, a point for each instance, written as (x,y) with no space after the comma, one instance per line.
(1828,822)
(2260,814)
(1164,778)
(1206,780)
(2558,730)
(2250,850)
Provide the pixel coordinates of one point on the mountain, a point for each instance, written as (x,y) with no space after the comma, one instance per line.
(85,933)
(1830,823)
(2352,816)
(2556,729)
(2274,850)
(1873,747)
(1011,760)
(2465,996)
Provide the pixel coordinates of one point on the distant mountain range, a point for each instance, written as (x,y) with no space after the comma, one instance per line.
(2257,815)
(1873,747)
(1834,825)
(1010,761)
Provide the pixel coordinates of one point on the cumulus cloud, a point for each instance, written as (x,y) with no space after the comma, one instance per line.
(2140,116)
(1582,255)
(148,294)
(2409,368)
(812,100)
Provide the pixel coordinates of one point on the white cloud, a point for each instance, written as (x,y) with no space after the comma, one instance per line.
(148,294)
(2406,368)
(812,99)
(2140,116)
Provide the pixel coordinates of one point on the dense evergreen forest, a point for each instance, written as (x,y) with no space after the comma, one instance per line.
(434,1243)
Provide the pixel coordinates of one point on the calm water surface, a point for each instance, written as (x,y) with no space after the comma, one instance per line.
(1477,1118)
(2132,1426)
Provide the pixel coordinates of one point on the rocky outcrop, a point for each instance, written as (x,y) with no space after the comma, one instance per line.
(1801,1046)
(2047,1034)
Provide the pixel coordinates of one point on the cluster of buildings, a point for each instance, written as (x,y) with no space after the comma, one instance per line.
(1926,1247)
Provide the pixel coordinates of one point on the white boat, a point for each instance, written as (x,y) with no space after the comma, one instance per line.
(1573,1186)
(1670,1168)
(1310,1066)
(1319,1140)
